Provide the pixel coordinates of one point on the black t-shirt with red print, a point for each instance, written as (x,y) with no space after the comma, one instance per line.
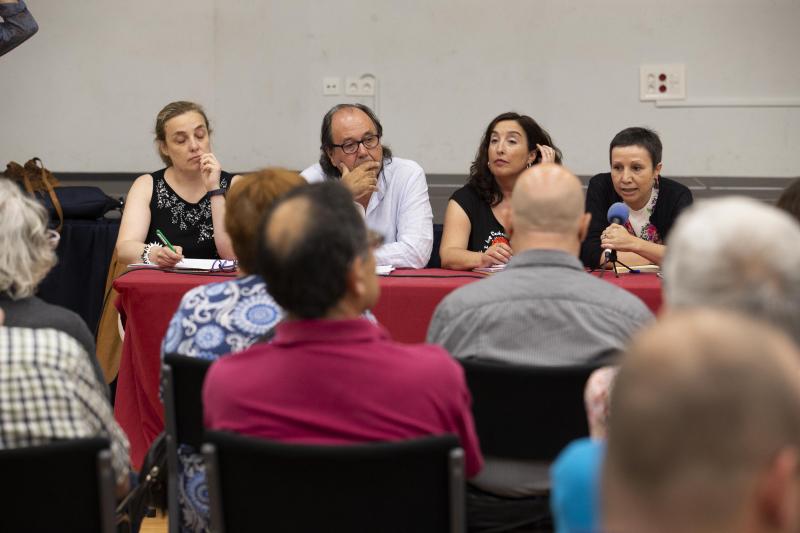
(485,229)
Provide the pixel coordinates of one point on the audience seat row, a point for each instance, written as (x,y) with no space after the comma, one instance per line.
(525,413)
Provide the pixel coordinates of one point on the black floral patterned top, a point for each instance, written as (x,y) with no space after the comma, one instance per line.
(184,223)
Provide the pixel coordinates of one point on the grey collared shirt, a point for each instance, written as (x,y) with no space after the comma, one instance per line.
(544,309)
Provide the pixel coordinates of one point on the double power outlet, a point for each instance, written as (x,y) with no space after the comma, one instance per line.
(662,82)
(364,85)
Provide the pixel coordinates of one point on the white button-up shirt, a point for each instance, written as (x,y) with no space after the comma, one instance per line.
(400,210)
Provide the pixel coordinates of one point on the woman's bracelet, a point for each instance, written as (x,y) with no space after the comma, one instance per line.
(146,253)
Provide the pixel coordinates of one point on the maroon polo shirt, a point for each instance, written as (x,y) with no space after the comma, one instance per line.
(337,382)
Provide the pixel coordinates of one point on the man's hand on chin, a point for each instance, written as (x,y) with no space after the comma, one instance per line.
(362,181)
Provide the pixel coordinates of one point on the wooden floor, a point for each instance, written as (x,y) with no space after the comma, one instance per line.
(154,525)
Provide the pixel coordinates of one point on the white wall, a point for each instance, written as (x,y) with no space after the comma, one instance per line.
(84,92)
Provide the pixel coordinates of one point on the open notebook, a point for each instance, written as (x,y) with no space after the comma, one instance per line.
(203,265)
(490,270)
(641,268)
(223,265)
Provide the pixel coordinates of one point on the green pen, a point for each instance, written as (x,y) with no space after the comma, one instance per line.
(164,240)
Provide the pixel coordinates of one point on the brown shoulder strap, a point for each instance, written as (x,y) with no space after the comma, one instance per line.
(49,182)
(16,172)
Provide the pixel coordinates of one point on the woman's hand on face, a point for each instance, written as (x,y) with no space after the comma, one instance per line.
(211,170)
(496,254)
(164,257)
(548,153)
(616,237)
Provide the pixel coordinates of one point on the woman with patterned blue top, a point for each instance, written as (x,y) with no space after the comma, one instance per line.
(185,200)
(229,316)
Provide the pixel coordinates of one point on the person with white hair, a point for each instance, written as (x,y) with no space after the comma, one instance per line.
(736,253)
(50,394)
(731,253)
(704,433)
(27,253)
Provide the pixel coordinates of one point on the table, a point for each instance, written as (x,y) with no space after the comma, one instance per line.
(148,298)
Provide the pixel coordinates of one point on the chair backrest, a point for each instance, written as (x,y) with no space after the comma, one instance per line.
(436,261)
(526,412)
(259,485)
(182,385)
(183,397)
(66,486)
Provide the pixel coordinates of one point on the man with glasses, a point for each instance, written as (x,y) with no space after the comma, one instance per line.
(392,192)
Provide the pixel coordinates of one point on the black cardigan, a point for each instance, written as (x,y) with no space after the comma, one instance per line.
(672,199)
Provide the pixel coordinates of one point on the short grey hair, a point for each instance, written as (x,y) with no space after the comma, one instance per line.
(736,253)
(26,255)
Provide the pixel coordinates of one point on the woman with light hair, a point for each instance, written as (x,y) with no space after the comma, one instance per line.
(185,200)
(27,253)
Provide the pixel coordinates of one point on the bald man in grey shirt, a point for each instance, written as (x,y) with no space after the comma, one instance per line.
(543,309)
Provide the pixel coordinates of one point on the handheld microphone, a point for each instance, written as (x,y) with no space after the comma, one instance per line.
(617,214)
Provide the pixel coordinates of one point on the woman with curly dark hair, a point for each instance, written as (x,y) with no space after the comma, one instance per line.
(477,215)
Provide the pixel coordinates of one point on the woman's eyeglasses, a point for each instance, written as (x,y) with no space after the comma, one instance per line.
(224,265)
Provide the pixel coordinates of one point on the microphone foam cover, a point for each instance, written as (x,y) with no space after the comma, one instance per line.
(618,212)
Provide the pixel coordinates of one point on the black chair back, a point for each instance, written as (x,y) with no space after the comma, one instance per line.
(436,261)
(182,379)
(526,412)
(183,397)
(66,486)
(258,485)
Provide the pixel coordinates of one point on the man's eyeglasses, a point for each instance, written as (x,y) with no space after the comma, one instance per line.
(350,147)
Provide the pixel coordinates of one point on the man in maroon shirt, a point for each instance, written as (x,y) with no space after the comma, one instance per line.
(330,376)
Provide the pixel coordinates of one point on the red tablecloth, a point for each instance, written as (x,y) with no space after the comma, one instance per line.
(148,299)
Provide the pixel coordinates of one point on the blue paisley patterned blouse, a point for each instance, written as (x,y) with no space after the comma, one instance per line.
(220,318)
(211,321)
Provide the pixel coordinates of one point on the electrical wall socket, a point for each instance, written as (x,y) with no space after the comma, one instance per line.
(368,85)
(365,85)
(662,82)
(331,86)
(351,86)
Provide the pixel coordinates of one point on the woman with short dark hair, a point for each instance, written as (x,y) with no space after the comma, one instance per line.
(654,202)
